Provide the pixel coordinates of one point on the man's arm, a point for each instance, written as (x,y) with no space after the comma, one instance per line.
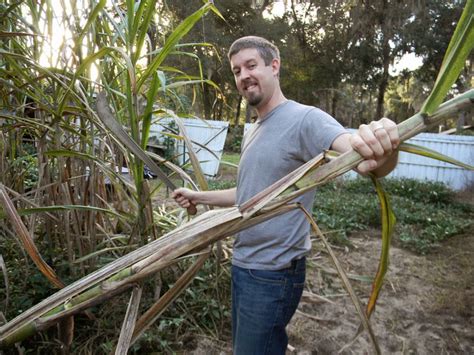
(376,143)
(220,198)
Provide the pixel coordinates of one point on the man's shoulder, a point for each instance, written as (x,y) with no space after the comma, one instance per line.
(303,111)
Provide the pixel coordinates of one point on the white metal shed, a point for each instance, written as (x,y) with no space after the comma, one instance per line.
(208,139)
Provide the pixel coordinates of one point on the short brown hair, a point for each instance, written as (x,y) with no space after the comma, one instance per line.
(267,50)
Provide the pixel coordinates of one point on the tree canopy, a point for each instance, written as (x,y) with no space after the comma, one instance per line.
(335,54)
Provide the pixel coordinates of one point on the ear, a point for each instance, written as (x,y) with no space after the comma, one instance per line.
(275,66)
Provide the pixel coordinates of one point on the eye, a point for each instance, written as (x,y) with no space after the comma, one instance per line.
(252,66)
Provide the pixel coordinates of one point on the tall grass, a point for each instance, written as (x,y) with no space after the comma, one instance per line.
(57,155)
(61,169)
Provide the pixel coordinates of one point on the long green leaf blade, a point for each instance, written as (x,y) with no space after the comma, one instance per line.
(458,50)
(91,19)
(429,153)
(180,31)
(143,28)
(388,223)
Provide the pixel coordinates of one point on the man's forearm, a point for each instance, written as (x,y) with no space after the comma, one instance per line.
(219,198)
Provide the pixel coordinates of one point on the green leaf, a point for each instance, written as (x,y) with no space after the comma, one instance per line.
(143,27)
(388,223)
(426,152)
(459,48)
(147,115)
(130,20)
(92,58)
(92,17)
(180,31)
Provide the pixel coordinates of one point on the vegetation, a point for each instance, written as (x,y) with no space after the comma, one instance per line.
(427,212)
(95,234)
(202,310)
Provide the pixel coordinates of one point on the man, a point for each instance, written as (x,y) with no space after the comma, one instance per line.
(268,265)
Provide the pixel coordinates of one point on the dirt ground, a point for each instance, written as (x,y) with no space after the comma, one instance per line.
(426,305)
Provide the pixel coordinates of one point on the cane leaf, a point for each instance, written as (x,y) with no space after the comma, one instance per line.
(388,223)
(182,29)
(460,46)
(90,20)
(429,153)
(27,240)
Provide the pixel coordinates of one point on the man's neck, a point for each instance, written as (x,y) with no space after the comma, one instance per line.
(275,101)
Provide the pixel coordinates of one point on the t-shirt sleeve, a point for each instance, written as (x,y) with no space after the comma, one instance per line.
(317,132)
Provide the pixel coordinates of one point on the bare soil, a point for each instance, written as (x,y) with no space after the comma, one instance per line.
(426,305)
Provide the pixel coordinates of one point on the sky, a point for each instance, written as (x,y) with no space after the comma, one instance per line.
(408,61)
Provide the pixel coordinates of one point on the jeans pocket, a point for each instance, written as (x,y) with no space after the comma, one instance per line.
(267,276)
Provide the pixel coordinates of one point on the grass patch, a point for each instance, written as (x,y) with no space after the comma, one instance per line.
(229,157)
(227,171)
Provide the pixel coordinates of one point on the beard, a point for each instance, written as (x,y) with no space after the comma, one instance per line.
(254,99)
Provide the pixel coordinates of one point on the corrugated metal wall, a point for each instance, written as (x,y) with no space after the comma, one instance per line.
(209,138)
(421,168)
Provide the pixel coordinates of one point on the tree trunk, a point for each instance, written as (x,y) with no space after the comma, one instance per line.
(384,80)
(334,103)
(237,112)
(248,114)
(461,122)
(206,102)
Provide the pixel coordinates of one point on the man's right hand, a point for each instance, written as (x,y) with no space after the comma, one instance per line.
(219,198)
(184,197)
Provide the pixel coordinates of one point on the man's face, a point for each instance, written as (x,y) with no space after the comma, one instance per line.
(255,80)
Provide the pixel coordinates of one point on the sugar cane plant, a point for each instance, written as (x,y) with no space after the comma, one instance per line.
(129,92)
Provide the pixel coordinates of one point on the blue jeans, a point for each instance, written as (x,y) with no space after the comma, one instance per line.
(263,303)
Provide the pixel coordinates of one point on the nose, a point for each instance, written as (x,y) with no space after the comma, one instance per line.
(244,74)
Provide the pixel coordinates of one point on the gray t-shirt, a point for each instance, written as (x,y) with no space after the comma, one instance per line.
(286,138)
